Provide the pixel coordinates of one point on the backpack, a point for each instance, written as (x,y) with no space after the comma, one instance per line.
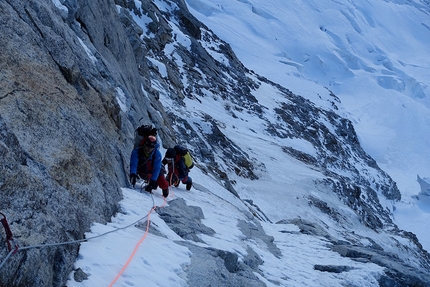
(185,153)
(142,132)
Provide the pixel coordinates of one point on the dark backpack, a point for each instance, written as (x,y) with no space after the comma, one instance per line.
(142,132)
(185,153)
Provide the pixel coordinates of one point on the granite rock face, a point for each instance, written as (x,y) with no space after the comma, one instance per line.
(65,136)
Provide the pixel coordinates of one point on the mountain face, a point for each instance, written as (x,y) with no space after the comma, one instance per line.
(79,76)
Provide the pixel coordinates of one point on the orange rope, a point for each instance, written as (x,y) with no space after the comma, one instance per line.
(137,245)
(171,193)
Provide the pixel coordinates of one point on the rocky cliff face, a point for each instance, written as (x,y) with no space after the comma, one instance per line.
(64,143)
(79,76)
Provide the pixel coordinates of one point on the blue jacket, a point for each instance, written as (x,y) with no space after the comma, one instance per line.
(140,164)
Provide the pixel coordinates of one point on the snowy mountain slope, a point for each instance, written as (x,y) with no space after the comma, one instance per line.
(373,56)
(296,166)
(161,260)
(298,255)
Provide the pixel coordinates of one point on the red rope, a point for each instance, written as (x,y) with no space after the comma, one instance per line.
(137,245)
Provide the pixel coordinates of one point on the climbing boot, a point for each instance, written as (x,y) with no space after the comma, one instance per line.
(166,192)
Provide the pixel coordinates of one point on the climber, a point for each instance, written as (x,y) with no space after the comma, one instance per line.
(177,170)
(145,162)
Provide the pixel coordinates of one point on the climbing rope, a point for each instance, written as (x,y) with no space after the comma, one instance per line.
(6,258)
(148,222)
(134,250)
(15,249)
(66,243)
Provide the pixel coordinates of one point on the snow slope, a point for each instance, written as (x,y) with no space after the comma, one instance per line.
(374,56)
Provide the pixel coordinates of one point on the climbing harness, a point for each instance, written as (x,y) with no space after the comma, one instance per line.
(172,173)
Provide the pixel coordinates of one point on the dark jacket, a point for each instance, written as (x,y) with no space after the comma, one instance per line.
(179,168)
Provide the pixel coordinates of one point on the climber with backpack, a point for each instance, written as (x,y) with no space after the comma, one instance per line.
(145,163)
(179,162)
(142,132)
